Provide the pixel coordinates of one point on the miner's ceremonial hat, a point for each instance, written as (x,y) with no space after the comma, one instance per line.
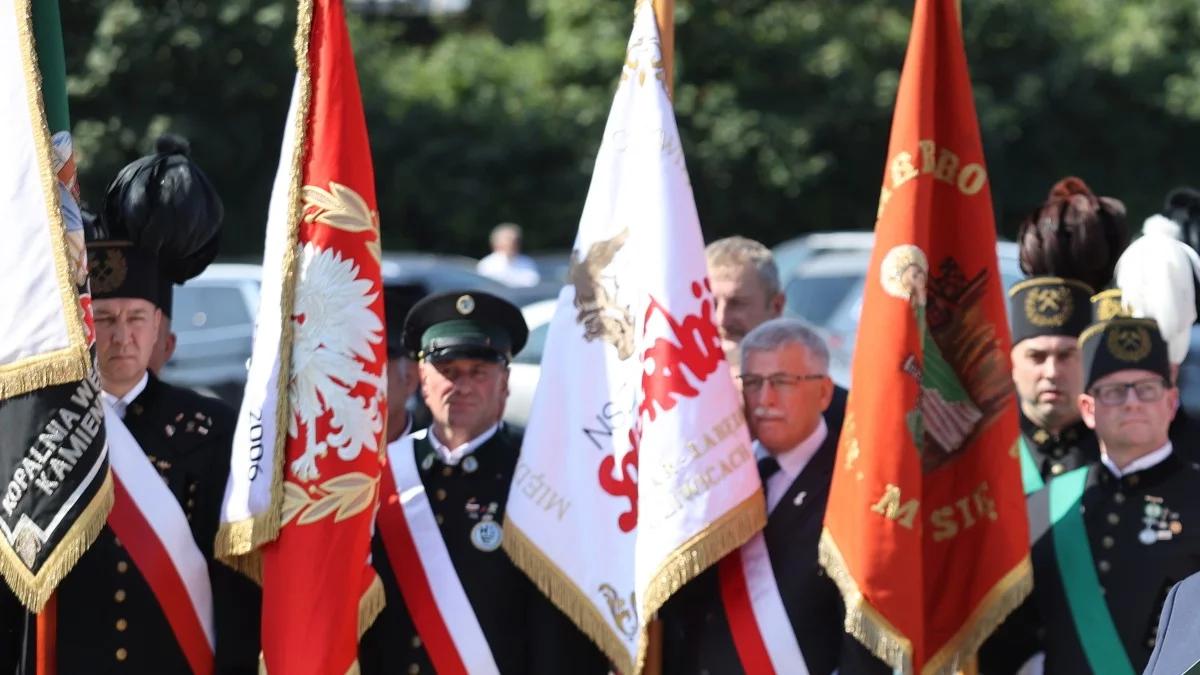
(160,211)
(465,324)
(1109,304)
(1123,343)
(1049,305)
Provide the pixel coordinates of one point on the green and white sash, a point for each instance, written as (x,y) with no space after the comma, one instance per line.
(1093,623)
(1031,477)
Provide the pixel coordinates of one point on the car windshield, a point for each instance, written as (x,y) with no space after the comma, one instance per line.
(815,298)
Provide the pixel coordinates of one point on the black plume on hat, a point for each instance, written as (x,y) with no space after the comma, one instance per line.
(165,205)
(1074,234)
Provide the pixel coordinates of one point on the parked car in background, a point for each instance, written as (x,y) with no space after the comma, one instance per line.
(791,253)
(213,322)
(214,314)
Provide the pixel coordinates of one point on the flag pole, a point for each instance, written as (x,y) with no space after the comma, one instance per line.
(47,628)
(664,16)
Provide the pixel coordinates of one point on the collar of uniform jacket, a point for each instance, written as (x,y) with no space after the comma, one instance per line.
(1140,464)
(453,456)
(119,405)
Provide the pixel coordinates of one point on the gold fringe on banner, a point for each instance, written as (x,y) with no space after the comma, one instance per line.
(33,591)
(703,550)
(862,621)
(565,594)
(370,605)
(72,362)
(64,366)
(885,641)
(241,539)
(999,602)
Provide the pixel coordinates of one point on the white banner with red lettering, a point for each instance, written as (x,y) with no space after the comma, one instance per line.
(636,471)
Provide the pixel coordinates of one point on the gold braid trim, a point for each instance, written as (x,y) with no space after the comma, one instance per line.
(999,602)
(73,362)
(703,550)
(70,364)
(565,594)
(239,540)
(34,591)
(370,605)
(862,621)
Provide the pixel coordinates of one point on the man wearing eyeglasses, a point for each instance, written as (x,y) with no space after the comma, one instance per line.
(788,606)
(1110,539)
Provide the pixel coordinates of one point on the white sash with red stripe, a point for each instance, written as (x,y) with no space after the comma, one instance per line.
(762,631)
(424,571)
(154,530)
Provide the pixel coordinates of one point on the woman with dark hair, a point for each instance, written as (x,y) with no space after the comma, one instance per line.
(1074,234)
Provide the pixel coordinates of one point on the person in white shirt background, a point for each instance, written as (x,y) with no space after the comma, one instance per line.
(506,263)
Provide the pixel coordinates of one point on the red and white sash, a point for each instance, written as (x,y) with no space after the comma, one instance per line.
(153,528)
(424,571)
(762,632)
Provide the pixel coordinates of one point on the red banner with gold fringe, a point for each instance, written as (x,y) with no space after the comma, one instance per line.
(925,532)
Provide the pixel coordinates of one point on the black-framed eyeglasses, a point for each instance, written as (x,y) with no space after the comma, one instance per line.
(1147,391)
(778,381)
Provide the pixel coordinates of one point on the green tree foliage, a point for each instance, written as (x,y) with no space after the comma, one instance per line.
(784,105)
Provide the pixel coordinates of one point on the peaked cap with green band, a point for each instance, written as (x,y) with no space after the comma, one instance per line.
(1123,343)
(465,325)
(1049,306)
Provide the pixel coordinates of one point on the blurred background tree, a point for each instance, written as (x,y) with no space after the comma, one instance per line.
(495,113)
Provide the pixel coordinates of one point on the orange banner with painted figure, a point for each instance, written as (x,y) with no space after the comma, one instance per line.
(926,533)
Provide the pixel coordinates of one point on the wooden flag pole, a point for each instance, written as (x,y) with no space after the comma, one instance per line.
(47,628)
(664,16)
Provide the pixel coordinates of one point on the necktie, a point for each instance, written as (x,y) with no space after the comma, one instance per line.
(767,466)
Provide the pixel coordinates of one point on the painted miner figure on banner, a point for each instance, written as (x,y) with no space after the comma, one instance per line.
(149,596)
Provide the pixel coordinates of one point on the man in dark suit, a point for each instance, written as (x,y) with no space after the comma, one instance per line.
(786,388)
(1109,539)
(463,465)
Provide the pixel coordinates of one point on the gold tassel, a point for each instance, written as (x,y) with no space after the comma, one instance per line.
(703,550)
(693,557)
(565,595)
(878,635)
(869,627)
(45,370)
(1002,600)
(370,605)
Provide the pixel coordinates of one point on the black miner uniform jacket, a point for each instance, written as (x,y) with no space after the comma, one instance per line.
(1054,455)
(696,632)
(1135,576)
(108,618)
(526,633)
